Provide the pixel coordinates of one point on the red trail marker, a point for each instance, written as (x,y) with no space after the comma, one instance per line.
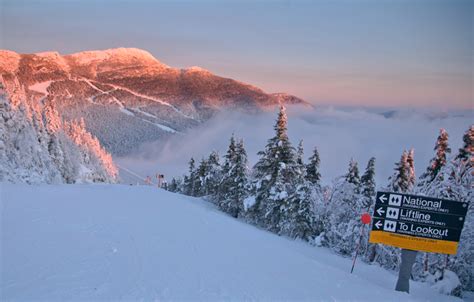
(366,219)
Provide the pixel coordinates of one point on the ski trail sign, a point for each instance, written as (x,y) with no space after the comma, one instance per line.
(418,223)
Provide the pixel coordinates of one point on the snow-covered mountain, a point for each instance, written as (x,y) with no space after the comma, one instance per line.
(125,95)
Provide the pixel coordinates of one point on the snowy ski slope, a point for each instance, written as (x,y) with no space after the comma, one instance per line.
(118,242)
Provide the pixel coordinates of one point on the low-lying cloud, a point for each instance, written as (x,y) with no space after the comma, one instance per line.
(339,134)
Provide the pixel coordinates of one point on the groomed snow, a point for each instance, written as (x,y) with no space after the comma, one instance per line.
(116,242)
(126,111)
(162,127)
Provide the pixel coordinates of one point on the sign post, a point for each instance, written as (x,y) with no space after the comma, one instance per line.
(365,218)
(408,259)
(417,223)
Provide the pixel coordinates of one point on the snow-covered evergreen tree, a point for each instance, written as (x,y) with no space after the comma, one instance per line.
(275,176)
(300,165)
(299,218)
(97,164)
(424,183)
(442,151)
(214,174)
(229,159)
(411,164)
(200,183)
(455,181)
(22,158)
(342,222)
(298,212)
(190,179)
(36,146)
(352,175)
(62,150)
(465,153)
(312,169)
(235,181)
(300,154)
(175,185)
(402,181)
(366,204)
(367,183)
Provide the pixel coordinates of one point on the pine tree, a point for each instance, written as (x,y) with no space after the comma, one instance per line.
(93,154)
(214,174)
(442,151)
(174,185)
(367,182)
(465,153)
(455,181)
(229,159)
(342,223)
(298,212)
(366,203)
(189,180)
(436,164)
(411,165)
(236,182)
(36,146)
(275,175)
(300,154)
(352,175)
(230,155)
(300,220)
(58,144)
(401,180)
(312,169)
(200,187)
(300,166)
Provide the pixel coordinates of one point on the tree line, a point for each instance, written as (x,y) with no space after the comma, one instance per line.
(283,194)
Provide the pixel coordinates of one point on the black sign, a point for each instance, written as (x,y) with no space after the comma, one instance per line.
(423,203)
(419,216)
(417,230)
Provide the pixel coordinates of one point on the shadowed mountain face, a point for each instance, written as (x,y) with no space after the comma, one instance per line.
(126,96)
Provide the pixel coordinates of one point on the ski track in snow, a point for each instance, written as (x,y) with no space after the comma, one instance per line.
(43,86)
(118,242)
(161,126)
(151,99)
(124,109)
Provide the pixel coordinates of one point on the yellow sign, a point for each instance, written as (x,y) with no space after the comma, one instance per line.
(414,243)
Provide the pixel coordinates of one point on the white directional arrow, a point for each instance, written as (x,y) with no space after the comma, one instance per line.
(382,198)
(378,224)
(380,211)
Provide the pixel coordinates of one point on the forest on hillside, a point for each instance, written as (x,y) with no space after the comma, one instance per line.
(283,194)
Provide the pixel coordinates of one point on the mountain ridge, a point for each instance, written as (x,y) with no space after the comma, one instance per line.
(126,96)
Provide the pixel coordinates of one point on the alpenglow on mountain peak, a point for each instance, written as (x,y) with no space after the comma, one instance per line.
(121,53)
(126,96)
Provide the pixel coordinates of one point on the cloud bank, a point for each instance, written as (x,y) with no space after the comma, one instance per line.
(339,134)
